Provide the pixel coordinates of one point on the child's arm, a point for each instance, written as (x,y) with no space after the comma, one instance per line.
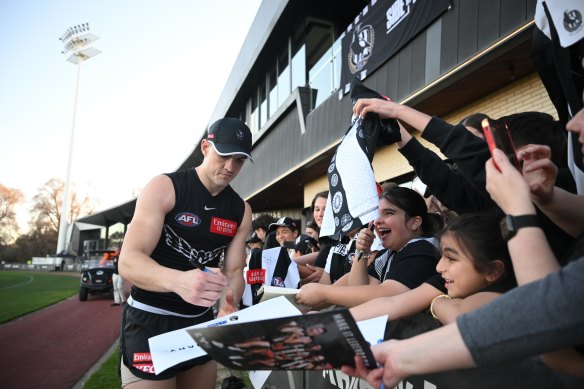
(446,310)
(398,306)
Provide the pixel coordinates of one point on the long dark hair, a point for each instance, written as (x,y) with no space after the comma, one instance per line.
(413,205)
(323,194)
(480,238)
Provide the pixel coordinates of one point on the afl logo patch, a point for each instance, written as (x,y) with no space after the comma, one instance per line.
(188,219)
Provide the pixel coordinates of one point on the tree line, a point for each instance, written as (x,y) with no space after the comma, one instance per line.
(44,220)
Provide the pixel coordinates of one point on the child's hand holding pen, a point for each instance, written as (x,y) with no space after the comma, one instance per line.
(365,239)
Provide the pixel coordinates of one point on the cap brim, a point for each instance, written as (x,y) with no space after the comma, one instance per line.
(273,226)
(226,150)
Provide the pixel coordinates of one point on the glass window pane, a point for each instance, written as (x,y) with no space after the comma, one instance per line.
(337,61)
(263,104)
(283,77)
(320,78)
(253,119)
(299,68)
(273,96)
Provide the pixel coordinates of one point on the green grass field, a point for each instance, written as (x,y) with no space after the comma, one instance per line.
(26,292)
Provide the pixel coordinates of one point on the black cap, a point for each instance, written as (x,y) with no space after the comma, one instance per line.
(254,239)
(284,222)
(230,136)
(305,244)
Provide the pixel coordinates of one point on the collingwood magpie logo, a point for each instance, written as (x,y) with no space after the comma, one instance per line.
(361,47)
(183,247)
(572,20)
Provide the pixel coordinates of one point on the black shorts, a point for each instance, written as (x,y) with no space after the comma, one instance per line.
(138,326)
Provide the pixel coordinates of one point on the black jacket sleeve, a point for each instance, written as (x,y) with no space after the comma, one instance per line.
(466,150)
(452,188)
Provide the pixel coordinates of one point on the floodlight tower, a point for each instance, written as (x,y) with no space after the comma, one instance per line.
(75,40)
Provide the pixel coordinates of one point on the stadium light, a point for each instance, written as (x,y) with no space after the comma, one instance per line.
(75,40)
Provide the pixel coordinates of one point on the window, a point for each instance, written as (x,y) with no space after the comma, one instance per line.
(263,103)
(273,95)
(298,59)
(319,59)
(337,61)
(253,118)
(321,78)
(283,76)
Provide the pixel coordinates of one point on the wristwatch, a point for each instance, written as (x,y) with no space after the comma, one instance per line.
(510,224)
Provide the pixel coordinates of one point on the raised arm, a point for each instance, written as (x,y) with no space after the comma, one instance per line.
(454,189)
(387,109)
(530,252)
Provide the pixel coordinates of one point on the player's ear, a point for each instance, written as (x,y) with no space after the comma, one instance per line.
(205,147)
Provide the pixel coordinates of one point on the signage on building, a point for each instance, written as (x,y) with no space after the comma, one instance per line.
(380,31)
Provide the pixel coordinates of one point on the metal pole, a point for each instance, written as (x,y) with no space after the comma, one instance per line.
(64,223)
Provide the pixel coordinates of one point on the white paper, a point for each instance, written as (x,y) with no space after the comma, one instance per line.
(174,347)
(258,377)
(373,329)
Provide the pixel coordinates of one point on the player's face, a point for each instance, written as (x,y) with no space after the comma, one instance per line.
(221,170)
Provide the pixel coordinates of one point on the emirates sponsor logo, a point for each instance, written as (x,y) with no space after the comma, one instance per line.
(145,367)
(142,357)
(256,276)
(223,226)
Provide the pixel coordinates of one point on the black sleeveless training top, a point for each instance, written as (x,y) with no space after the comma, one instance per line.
(198,228)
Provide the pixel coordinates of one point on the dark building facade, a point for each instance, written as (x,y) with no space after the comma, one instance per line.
(286,85)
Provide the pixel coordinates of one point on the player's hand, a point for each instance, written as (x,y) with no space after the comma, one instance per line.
(198,287)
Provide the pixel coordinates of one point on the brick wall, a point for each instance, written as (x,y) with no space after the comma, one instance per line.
(525,94)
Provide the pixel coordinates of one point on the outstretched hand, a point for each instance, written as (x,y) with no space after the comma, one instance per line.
(373,376)
(386,374)
(311,294)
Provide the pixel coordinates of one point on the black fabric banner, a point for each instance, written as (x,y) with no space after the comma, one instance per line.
(380,31)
